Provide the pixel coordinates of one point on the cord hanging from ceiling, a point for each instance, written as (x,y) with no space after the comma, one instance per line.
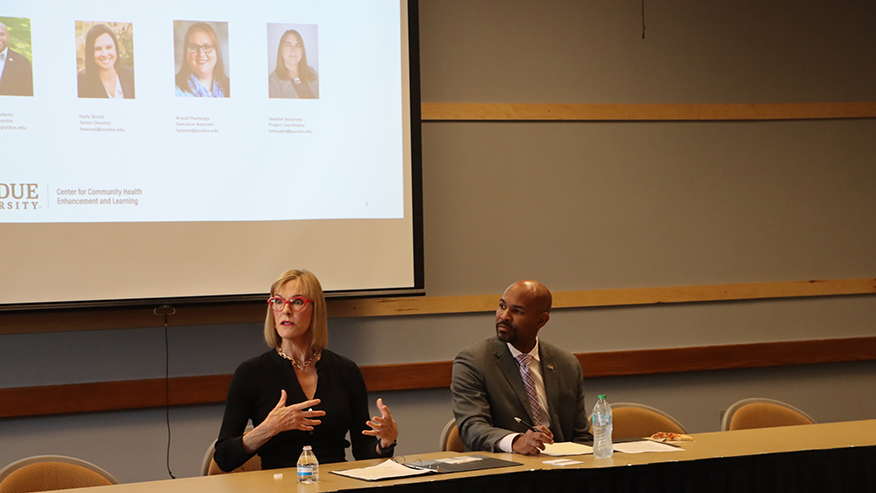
(643,19)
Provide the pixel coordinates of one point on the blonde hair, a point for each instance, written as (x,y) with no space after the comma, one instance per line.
(309,286)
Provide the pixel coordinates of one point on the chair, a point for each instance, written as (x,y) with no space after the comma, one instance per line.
(209,467)
(638,420)
(450,441)
(762,413)
(52,472)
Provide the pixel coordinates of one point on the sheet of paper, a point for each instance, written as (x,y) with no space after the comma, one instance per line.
(386,470)
(566,448)
(563,462)
(644,446)
(459,460)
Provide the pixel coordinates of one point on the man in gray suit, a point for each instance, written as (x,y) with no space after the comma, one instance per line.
(517,375)
(16,75)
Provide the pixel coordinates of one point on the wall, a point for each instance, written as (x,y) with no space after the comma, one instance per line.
(577,206)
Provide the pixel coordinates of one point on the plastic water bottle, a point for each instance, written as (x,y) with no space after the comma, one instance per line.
(308,467)
(601,420)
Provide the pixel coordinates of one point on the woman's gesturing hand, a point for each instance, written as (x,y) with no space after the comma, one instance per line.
(383,426)
(293,417)
(282,418)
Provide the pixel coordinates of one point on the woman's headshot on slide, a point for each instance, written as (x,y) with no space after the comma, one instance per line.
(293,76)
(201,65)
(105,74)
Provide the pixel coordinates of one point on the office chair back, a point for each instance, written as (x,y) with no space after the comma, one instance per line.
(763,413)
(450,438)
(638,420)
(52,472)
(209,467)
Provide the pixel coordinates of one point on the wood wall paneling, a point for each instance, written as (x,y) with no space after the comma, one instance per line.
(644,112)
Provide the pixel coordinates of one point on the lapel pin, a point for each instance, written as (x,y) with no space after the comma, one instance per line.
(550,367)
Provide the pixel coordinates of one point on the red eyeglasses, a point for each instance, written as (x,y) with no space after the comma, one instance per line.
(297,303)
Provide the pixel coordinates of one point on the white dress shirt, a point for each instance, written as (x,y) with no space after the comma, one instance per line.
(3,62)
(118,92)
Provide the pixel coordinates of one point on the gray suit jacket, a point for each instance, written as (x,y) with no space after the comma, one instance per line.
(17,78)
(279,88)
(488,393)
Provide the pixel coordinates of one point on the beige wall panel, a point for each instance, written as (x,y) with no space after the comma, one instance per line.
(574,51)
(615,205)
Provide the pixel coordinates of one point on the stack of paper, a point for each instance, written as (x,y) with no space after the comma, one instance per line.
(566,448)
(386,470)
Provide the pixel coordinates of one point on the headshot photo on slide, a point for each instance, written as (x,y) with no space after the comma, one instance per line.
(201,59)
(293,61)
(105,59)
(16,71)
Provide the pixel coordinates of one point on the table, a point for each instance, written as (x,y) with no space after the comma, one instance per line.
(838,457)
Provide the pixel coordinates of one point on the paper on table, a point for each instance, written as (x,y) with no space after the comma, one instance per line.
(642,446)
(459,460)
(563,462)
(386,470)
(566,448)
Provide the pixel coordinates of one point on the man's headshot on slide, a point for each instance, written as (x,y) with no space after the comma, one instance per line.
(16,72)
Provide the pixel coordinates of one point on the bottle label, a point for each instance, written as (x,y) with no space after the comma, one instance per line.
(305,471)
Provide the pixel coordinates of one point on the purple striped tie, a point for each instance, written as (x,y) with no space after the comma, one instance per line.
(523,362)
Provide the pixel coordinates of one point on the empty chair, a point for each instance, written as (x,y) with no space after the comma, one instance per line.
(450,438)
(638,420)
(52,472)
(210,468)
(763,413)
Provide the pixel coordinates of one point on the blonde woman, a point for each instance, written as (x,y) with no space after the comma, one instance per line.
(202,74)
(299,392)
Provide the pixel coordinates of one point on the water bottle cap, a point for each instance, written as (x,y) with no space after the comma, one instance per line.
(602,396)
(307,447)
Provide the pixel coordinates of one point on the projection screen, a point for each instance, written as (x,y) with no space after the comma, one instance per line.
(166,151)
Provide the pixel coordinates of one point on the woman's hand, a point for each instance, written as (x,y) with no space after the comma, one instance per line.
(382,427)
(282,418)
(293,417)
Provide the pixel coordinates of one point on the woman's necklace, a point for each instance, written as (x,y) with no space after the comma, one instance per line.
(299,365)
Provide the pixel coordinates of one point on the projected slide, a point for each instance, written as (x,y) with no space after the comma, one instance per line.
(170,111)
(176,150)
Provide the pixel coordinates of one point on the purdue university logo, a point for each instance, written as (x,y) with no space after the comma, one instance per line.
(19,196)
